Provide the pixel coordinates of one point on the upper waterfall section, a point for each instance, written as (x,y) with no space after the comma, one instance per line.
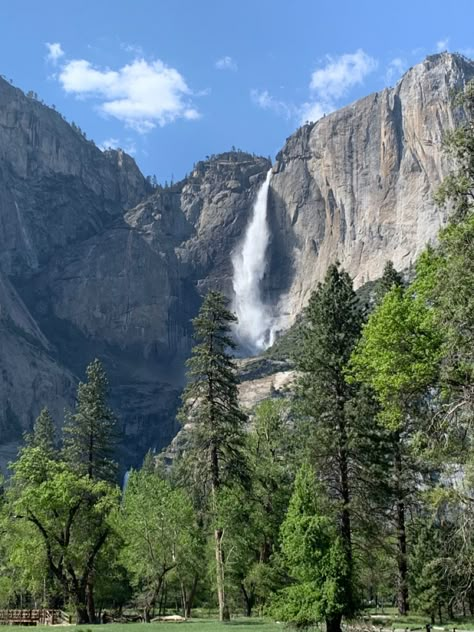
(255,319)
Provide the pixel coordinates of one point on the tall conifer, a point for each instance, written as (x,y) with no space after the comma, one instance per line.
(210,403)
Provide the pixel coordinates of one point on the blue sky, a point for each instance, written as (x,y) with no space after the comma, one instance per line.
(172,81)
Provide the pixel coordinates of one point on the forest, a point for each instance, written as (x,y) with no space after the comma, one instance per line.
(354,493)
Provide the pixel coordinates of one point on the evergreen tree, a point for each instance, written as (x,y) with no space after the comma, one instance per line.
(43,435)
(456,188)
(316,560)
(210,403)
(429,582)
(149,464)
(334,319)
(90,431)
(389,279)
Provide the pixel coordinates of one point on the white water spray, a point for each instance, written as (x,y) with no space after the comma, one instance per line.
(254,328)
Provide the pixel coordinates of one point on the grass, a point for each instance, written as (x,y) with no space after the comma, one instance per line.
(411,622)
(193,625)
(390,619)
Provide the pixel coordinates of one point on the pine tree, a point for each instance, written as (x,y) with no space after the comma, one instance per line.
(456,188)
(149,464)
(90,431)
(389,279)
(43,435)
(315,557)
(210,403)
(334,319)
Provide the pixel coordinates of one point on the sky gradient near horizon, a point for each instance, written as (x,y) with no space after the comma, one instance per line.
(172,81)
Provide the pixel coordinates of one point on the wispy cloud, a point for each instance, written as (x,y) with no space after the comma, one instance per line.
(329,84)
(141,94)
(264,100)
(109,143)
(442,44)
(395,69)
(226,63)
(55,52)
(136,49)
(339,74)
(128,146)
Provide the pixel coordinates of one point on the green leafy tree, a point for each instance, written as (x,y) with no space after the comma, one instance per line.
(66,517)
(210,402)
(90,431)
(398,358)
(158,529)
(90,439)
(316,560)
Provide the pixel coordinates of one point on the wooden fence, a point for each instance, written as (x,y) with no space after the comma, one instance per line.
(40,616)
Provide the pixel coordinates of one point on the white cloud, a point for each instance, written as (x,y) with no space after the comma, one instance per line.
(313,111)
(442,45)
(129,146)
(328,85)
(109,143)
(141,94)
(395,69)
(226,63)
(266,101)
(55,52)
(333,81)
(341,73)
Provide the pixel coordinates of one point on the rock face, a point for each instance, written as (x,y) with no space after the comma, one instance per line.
(357,186)
(95,262)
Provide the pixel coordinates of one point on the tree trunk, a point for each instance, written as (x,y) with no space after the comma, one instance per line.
(224,614)
(450,608)
(344,487)
(79,598)
(90,602)
(189,599)
(346,532)
(402,562)
(249,599)
(82,616)
(334,624)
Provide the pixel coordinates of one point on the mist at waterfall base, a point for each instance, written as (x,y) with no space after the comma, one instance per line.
(254,330)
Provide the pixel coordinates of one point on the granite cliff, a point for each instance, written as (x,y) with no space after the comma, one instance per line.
(358,185)
(96,262)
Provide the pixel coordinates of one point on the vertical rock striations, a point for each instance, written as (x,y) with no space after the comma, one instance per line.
(358,185)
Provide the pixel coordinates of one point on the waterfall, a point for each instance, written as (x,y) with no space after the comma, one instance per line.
(255,319)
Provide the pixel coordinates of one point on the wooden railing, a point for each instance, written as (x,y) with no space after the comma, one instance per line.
(38,616)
